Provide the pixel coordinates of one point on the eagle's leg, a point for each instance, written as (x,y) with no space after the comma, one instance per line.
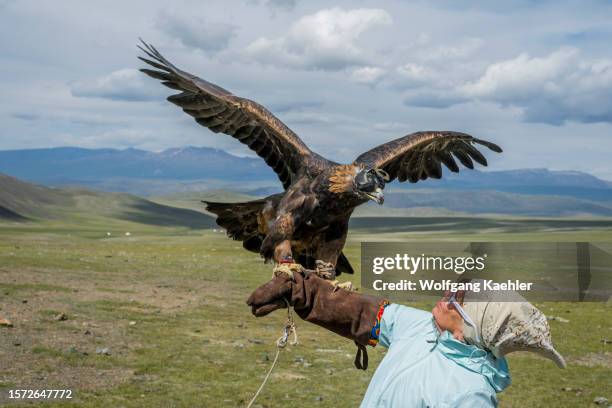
(282,252)
(327,257)
(284,262)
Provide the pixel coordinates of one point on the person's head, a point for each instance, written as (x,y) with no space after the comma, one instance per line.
(447,315)
(497,322)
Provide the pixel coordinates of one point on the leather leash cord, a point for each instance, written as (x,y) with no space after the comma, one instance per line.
(281,342)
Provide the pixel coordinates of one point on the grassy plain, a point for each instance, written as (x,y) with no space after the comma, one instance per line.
(168,304)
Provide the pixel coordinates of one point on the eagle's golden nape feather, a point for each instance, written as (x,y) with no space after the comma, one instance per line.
(341,180)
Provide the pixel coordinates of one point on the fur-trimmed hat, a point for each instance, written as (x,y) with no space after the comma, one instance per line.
(507,322)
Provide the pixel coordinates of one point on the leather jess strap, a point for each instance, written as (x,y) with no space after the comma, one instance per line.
(361,358)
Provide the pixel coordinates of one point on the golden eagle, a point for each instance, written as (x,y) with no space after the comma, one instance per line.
(309,220)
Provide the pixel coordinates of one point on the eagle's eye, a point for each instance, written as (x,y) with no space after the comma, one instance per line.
(369,180)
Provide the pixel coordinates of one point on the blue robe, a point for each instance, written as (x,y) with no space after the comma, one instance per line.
(426,368)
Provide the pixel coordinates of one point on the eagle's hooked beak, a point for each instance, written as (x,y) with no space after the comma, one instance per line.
(377,196)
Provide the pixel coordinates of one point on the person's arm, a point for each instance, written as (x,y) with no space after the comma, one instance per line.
(316,300)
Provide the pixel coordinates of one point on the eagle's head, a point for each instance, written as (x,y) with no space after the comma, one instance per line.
(369,183)
(365,182)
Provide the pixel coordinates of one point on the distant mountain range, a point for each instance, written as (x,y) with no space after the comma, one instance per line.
(528,181)
(132,170)
(186,170)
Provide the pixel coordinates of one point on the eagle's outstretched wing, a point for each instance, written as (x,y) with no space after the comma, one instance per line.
(221,111)
(420,155)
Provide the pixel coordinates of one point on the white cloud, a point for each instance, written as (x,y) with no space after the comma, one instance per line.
(561,86)
(434,65)
(122,85)
(463,49)
(522,77)
(196,32)
(367,75)
(416,73)
(325,40)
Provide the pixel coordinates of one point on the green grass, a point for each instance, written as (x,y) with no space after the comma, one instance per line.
(169,303)
(14,288)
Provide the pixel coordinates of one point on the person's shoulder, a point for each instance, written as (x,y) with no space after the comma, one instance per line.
(400,321)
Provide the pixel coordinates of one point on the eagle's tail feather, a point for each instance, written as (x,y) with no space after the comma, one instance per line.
(240,220)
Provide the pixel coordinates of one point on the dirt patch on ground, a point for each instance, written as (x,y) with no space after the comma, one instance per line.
(603,359)
(163,294)
(288,376)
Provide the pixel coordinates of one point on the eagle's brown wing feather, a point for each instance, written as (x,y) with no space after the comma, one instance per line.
(420,155)
(221,111)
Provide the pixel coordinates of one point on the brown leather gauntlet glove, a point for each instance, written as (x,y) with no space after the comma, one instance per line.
(349,314)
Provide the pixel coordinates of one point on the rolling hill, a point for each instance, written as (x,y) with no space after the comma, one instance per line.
(21,201)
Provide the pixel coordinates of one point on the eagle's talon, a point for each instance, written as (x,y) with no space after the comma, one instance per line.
(325,270)
(348,285)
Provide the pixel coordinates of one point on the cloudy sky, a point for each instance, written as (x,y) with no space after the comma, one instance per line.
(532,76)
